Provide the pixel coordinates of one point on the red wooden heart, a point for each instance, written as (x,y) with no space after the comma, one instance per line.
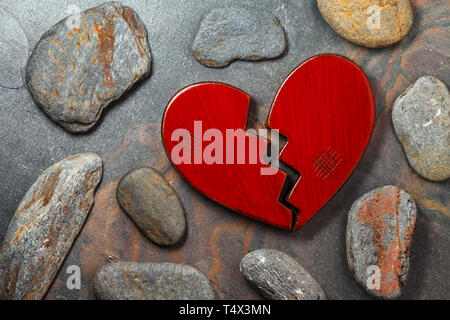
(325,109)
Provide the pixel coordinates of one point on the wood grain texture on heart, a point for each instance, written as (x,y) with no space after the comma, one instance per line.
(324,108)
(240,187)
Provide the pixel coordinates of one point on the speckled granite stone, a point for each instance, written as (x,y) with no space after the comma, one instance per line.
(356,21)
(279,277)
(421,117)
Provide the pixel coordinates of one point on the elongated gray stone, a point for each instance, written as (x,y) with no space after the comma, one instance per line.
(421,117)
(380,229)
(13,51)
(45,225)
(152,204)
(151,281)
(85,62)
(279,277)
(238,33)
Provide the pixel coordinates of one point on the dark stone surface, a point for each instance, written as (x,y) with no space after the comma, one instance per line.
(238,33)
(128,135)
(45,226)
(13,51)
(80,66)
(421,117)
(380,229)
(151,281)
(279,277)
(152,204)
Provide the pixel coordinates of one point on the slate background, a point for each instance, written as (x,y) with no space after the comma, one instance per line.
(128,136)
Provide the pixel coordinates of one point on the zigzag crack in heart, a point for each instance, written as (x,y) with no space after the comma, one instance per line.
(326,111)
(292,176)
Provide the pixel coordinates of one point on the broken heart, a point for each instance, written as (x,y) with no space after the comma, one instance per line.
(324,108)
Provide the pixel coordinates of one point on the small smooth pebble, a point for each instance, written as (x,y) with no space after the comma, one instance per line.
(13,51)
(85,62)
(380,229)
(153,205)
(238,33)
(45,225)
(151,281)
(369,23)
(279,277)
(421,117)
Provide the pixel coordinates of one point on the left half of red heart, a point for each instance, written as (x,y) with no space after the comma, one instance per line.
(204,134)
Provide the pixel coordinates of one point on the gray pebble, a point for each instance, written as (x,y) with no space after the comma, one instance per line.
(13,51)
(153,205)
(421,117)
(279,277)
(238,33)
(45,225)
(151,281)
(380,228)
(83,64)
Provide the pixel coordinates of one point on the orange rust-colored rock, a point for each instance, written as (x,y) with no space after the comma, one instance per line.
(379,234)
(369,23)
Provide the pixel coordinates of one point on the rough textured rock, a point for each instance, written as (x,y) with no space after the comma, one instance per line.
(13,51)
(356,22)
(151,281)
(379,233)
(421,117)
(238,33)
(152,204)
(46,224)
(76,72)
(279,277)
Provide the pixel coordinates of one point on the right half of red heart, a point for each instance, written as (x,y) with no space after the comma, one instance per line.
(325,109)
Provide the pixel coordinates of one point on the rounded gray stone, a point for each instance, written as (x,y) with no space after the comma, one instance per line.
(152,204)
(151,281)
(421,117)
(238,33)
(13,51)
(379,234)
(85,62)
(279,277)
